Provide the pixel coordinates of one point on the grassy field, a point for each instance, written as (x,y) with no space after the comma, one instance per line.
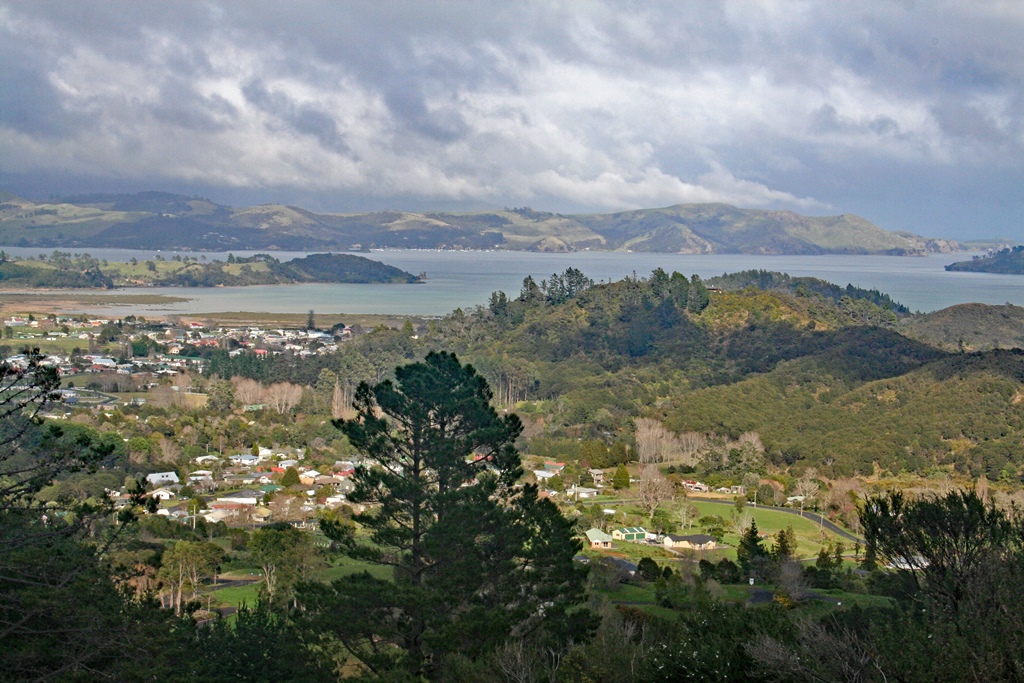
(810,539)
(234,596)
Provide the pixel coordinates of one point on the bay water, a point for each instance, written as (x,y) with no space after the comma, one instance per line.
(464,279)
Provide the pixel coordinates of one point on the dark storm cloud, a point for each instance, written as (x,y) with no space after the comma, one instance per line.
(581,105)
(305,119)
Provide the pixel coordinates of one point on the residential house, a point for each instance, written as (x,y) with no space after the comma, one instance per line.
(163,494)
(237,501)
(624,567)
(244,459)
(693,542)
(598,539)
(162,478)
(580,492)
(219,515)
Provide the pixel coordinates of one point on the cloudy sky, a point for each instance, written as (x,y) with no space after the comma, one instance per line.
(908,113)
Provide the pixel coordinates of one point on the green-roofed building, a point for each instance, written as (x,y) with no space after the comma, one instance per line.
(629,533)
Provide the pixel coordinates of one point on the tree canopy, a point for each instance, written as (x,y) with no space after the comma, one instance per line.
(476,558)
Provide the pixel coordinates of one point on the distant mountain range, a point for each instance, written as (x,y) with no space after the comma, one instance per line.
(159,220)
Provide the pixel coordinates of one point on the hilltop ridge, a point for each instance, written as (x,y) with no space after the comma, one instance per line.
(161,220)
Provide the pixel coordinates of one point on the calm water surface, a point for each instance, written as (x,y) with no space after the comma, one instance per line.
(465,279)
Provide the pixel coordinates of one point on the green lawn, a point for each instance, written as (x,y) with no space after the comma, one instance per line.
(235,596)
(345,566)
(809,538)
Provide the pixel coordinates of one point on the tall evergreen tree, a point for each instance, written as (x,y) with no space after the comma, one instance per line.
(751,552)
(621,478)
(476,558)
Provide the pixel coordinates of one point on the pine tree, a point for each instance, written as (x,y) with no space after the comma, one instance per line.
(621,479)
(750,551)
(784,544)
(476,557)
(290,478)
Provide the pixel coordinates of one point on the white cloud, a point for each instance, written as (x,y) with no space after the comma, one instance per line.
(591,104)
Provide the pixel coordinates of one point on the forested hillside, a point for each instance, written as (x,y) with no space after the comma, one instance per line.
(969,327)
(820,373)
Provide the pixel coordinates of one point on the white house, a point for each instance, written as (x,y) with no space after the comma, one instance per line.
(693,542)
(162,478)
(163,494)
(240,499)
(580,492)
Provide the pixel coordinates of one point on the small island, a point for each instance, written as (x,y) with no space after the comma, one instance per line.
(1008,261)
(63,270)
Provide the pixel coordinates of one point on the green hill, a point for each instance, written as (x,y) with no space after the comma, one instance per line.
(809,413)
(160,220)
(1008,261)
(823,381)
(969,327)
(63,270)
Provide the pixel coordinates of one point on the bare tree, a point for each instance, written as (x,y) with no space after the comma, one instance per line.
(650,439)
(690,445)
(247,391)
(283,396)
(182,381)
(516,662)
(981,488)
(791,579)
(169,450)
(820,654)
(341,403)
(807,488)
(686,513)
(163,396)
(653,490)
(751,440)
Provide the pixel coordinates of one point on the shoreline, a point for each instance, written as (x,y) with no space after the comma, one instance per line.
(61,302)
